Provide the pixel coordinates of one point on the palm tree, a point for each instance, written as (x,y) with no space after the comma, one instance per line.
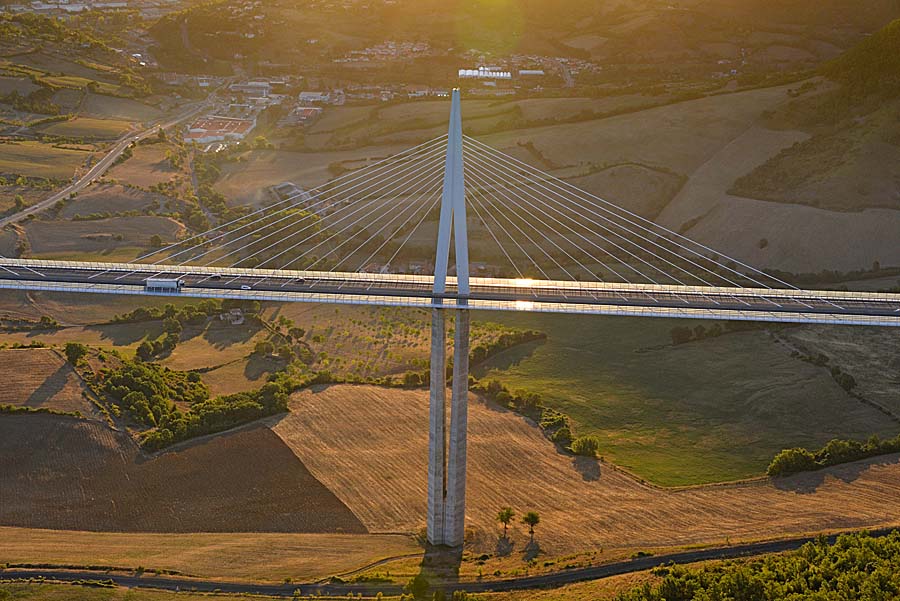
(531,519)
(505,516)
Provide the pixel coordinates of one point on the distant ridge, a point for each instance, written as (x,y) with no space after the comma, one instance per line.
(872,66)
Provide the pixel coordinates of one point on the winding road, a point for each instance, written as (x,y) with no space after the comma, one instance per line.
(555,579)
(100,167)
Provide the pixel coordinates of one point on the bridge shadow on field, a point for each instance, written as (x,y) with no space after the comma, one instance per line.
(506,359)
(809,482)
(50,387)
(124,334)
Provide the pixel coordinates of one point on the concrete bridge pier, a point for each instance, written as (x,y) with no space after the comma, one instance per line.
(437,437)
(447,454)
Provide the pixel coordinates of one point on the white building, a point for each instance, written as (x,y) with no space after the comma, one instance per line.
(314,97)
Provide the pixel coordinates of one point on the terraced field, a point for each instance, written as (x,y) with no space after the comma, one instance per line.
(87,127)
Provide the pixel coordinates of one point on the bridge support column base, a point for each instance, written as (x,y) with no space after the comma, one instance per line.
(447,455)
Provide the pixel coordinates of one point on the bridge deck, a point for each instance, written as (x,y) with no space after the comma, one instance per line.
(776,305)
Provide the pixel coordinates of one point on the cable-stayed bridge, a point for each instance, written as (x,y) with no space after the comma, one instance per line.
(454,225)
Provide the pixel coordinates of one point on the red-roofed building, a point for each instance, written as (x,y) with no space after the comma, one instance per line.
(218,129)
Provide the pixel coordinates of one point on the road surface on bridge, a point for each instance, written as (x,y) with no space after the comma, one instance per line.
(486,293)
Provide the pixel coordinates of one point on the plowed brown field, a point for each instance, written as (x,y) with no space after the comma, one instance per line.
(40,378)
(65,473)
(369,447)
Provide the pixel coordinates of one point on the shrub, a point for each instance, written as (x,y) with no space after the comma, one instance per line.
(791,461)
(586,446)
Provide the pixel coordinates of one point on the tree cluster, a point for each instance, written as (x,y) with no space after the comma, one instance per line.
(835,452)
(149,391)
(554,424)
(193,314)
(872,66)
(857,566)
(685,334)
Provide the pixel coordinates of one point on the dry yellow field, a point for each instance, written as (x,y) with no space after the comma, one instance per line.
(87,127)
(216,343)
(147,166)
(124,337)
(369,447)
(246,182)
(239,556)
(41,378)
(112,198)
(61,239)
(75,309)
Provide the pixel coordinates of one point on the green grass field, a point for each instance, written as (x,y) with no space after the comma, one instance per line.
(87,127)
(708,411)
(35,159)
(78,83)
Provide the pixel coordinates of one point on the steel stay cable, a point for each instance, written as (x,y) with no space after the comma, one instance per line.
(379,185)
(484,185)
(617,246)
(435,183)
(616,258)
(415,171)
(500,246)
(363,173)
(632,242)
(552,179)
(475,198)
(434,168)
(431,195)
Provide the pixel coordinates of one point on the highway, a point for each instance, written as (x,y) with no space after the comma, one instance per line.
(503,294)
(638,564)
(99,167)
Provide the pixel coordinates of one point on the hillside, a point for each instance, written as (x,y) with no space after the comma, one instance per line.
(336,464)
(872,66)
(851,160)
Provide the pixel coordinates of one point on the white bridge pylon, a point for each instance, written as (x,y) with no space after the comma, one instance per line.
(447,455)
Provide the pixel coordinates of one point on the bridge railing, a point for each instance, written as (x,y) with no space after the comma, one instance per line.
(425,302)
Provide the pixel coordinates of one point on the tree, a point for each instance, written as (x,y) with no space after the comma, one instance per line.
(531,519)
(145,351)
(505,516)
(75,351)
(681,335)
(172,325)
(264,348)
(156,241)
